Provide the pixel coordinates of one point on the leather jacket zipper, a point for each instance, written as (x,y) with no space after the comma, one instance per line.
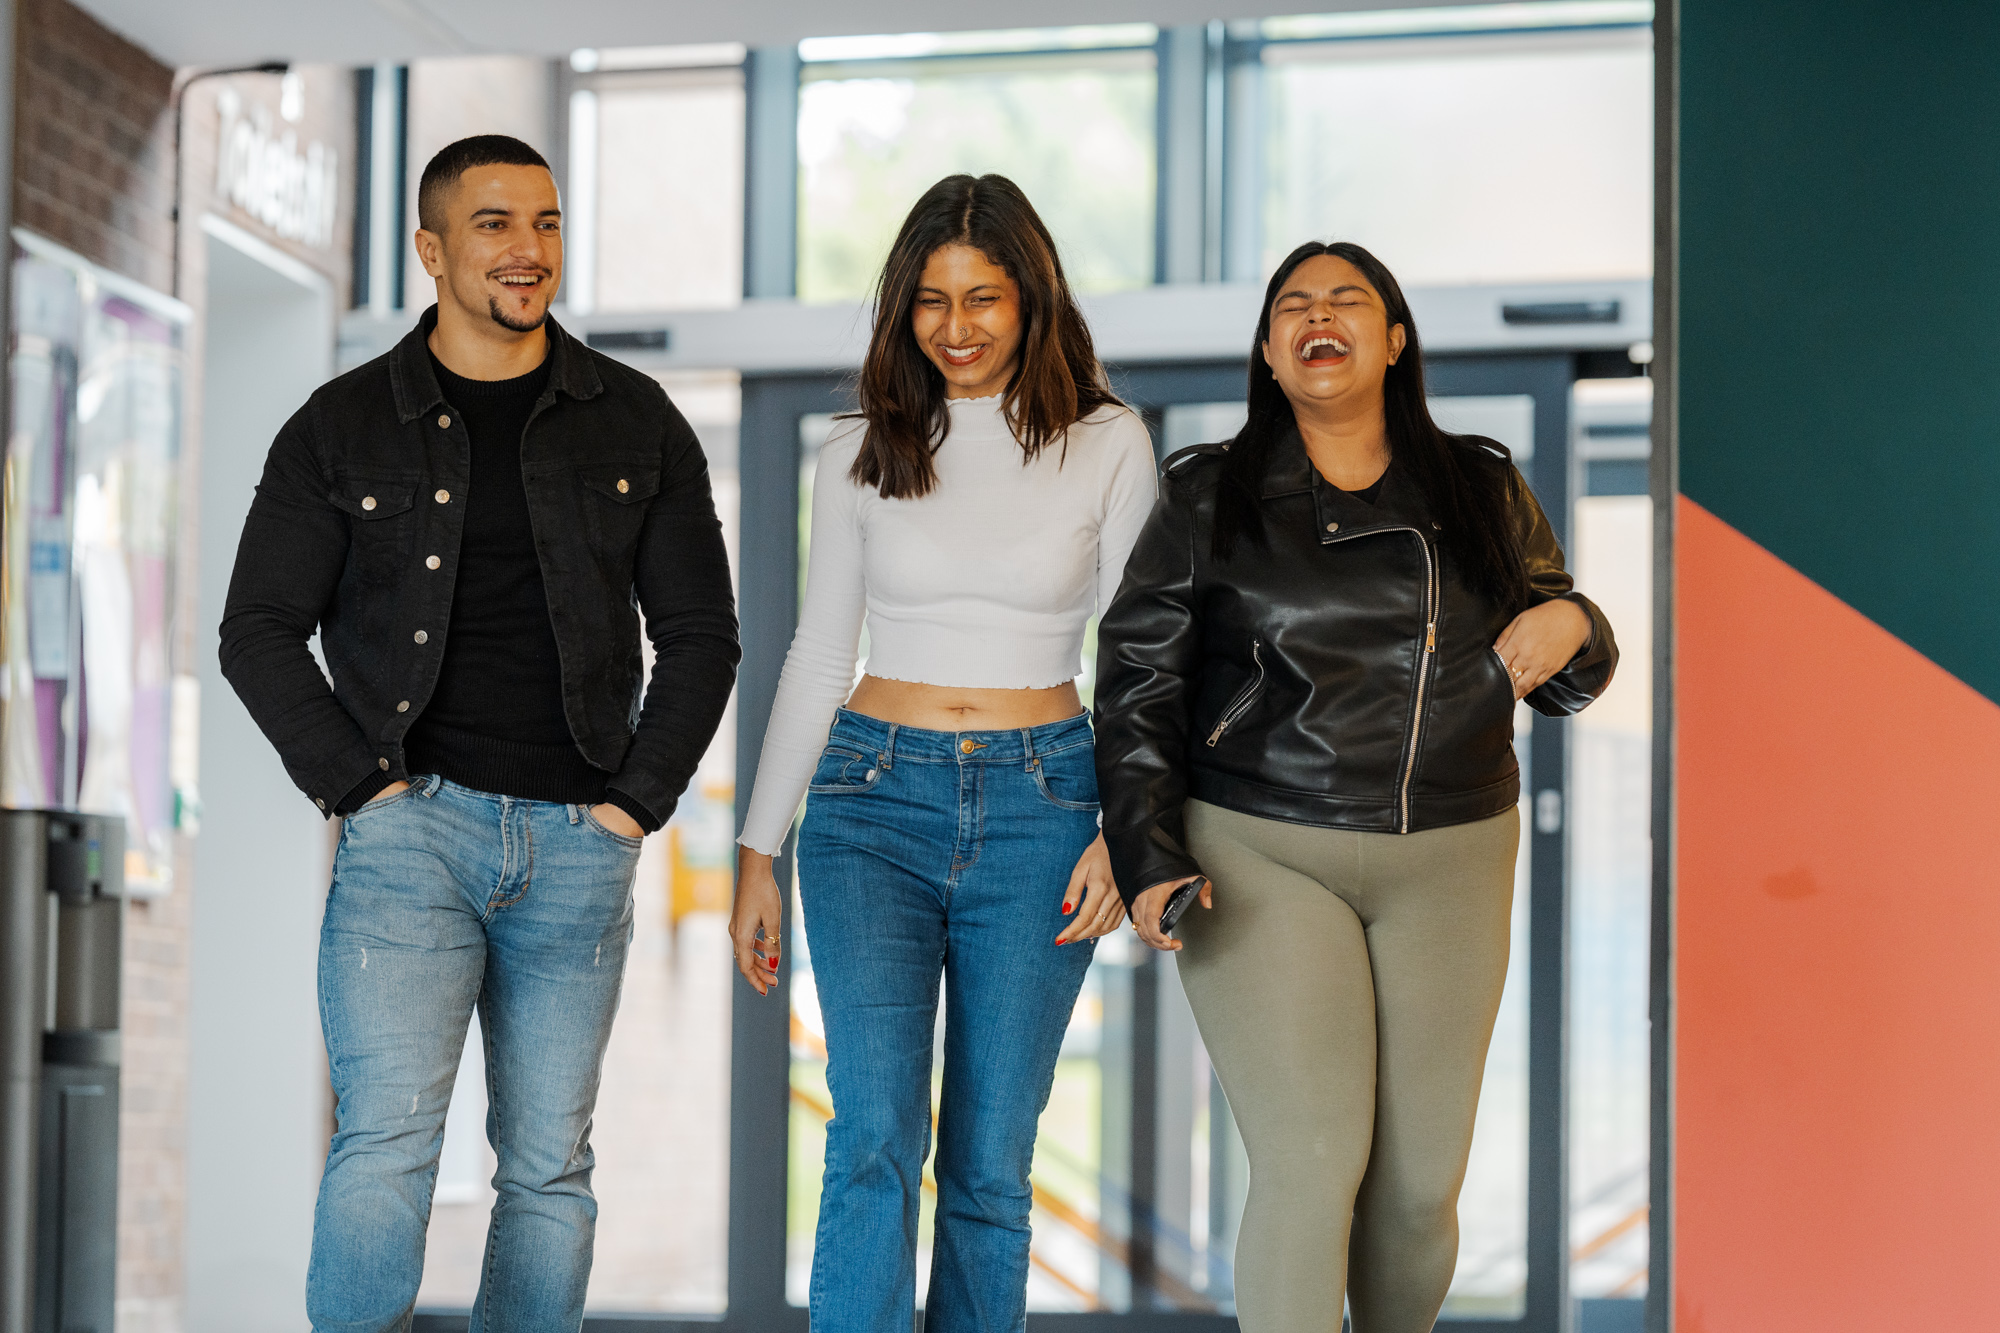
(1423,683)
(1246,696)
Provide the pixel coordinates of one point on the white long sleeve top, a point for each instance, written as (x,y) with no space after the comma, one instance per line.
(987,582)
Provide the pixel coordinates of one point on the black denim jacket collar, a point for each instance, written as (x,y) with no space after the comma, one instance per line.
(416,388)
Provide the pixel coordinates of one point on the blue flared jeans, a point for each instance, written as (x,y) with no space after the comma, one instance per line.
(444,897)
(928,857)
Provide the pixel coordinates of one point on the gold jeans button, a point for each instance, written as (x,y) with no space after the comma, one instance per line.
(965,747)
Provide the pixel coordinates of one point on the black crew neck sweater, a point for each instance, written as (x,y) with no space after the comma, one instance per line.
(495,720)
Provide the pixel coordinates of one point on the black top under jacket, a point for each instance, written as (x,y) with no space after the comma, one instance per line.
(359,530)
(495,720)
(1339,674)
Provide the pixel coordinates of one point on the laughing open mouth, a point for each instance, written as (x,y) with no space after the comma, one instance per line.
(1323,347)
(962,356)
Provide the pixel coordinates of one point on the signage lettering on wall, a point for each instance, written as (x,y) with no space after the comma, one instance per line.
(261,169)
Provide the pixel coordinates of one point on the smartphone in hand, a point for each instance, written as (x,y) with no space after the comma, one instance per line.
(1178,902)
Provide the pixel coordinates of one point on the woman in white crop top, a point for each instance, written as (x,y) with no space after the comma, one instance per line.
(973,515)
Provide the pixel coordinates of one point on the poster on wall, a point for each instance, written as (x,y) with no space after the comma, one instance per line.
(87,576)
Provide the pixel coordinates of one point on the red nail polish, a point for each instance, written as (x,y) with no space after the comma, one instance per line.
(1067,908)
(1059,939)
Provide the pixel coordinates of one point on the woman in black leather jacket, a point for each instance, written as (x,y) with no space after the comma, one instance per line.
(1306,692)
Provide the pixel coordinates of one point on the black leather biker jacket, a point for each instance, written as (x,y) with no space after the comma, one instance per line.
(1342,674)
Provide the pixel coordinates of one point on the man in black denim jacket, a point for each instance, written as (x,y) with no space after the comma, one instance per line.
(475,524)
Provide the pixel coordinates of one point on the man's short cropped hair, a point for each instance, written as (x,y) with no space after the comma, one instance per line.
(455,159)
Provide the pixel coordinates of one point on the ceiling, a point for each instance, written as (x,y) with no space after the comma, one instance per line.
(355,32)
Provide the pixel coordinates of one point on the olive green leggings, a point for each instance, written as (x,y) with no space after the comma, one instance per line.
(1346,985)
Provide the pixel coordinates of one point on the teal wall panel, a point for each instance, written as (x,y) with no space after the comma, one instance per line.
(1839,333)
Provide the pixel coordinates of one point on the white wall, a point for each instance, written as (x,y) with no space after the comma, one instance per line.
(257,1095)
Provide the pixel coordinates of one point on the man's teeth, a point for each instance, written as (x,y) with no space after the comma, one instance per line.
(1319,347)
(520,279)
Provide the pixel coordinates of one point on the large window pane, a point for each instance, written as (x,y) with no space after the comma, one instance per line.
(657,171)
(1075,131)
(1466,159)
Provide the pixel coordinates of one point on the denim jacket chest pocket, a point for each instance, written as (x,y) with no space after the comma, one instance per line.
(380,509)
(614,499)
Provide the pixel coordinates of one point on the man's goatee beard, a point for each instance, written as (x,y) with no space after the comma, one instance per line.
(501,318)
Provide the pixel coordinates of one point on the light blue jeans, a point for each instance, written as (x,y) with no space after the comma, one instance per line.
(929,855)
(443,898)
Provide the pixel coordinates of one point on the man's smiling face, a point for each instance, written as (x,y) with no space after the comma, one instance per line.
(498,251)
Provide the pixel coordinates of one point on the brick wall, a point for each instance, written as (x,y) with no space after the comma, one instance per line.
(93,171)
(93,143)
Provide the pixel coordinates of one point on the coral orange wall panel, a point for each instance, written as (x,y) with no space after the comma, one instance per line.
(1837,1159)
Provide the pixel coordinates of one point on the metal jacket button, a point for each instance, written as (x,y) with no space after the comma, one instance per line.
(367,502)
(403,707)
(382,764)
(444,421)
(432,563)
(623,485)
(1333,527)
(320,802)
(423,637)
(443,497)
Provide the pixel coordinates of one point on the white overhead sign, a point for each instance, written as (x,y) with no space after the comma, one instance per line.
(260,168)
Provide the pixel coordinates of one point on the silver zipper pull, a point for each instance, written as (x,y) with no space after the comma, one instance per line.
(1216,735)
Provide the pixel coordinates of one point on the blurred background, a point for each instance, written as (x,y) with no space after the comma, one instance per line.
(203,236)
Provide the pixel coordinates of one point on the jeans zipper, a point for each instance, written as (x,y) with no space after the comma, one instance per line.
(1423,683)
(1244,697)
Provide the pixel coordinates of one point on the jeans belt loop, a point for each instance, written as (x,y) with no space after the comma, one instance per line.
(430,785)
(1028,742)
(886,760)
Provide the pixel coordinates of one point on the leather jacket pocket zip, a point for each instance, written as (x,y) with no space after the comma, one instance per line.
(1424,660)
(1238,706)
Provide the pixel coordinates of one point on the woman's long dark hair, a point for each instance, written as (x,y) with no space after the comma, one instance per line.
(1470,497)
(1058,381)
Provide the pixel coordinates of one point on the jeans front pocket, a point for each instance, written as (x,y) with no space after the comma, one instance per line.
(623,840)
(1067,780)
(843,771)
(382,803)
